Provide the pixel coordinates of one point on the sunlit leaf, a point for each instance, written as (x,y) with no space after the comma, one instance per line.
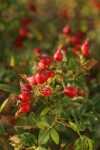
(43,137)
(3,105)
(55,135)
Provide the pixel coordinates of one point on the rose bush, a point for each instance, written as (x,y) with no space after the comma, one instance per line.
(51,75)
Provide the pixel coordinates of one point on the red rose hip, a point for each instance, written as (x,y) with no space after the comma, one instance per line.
(25,107)
(24,97)
(31,80)
(58,56)
(85,49)
(40,77)
(51,73)
(71,91)
(41,65)
(37,51)
(26,87)
(46,91)
(67,30)
(46,59)
(85,46)
(23,32)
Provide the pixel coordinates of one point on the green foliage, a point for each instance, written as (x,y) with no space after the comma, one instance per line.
(40,148)
(73,126)
(44,136)
(54,136)
(42,125)
(9,88)
(2,129)
(84,143)
(45,111)
(27,139)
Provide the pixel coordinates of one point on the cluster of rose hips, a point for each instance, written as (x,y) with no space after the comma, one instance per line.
(44,73)
(75,41)
(25,98)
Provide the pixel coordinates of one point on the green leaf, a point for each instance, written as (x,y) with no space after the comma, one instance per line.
(60,127)
(73,126)
(31,118)
(45,111)
(81,144)
(43,137)
(81,126)
(40,148)
(71,63)
(90,143)
(2,129)
(9,88)
(3,105)
(27,139)
(42,124)
(81,110)
(55,136)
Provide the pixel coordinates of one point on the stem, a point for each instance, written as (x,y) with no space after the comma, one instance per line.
(79,134)
(55,120)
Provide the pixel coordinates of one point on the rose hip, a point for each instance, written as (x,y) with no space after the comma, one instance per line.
(58,56)
(23,32)
(46,59)
(24,97)
(46,91)
(31,80)
(71,91)
(25,107)
(26,87)
(40,77)
(67,30)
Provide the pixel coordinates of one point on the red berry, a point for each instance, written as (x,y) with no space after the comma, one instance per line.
(85,49)
(37,51)
(18,42)
(58,56)
(25,107)
(86,54)
(41,65)
(80,34)
(85,46)
(51,74)
(71,91)
(40,77)
(23,32)
(67,30)
(32,7)
(46,59)
(76,48)
(26,21)
(24,97)
(26,87)
(46,74)
(31,80)
(46,91)
(75,40)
